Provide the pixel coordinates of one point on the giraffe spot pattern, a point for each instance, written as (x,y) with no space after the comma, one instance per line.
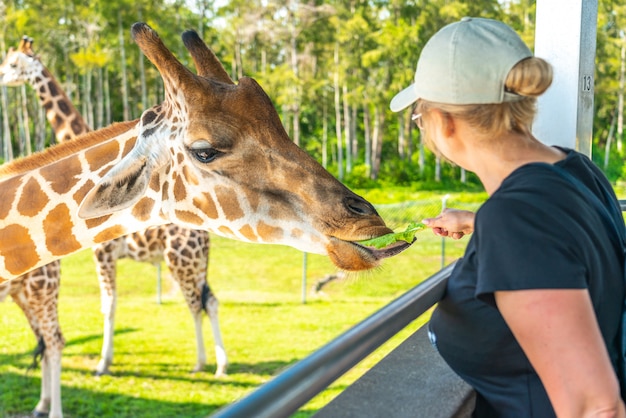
(80,194)
(248,232)
(58,227)
(143,208)
(109,234)
(94,222)
(64,107)
(269,233)
(180,191)
(102,155)
(205,203)
(18,249)
(63,184)
(9,189)
(190,177)
(229,203)
(32,199)
(155,182)
(188,217)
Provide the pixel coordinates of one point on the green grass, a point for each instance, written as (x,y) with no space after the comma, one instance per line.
(264,323)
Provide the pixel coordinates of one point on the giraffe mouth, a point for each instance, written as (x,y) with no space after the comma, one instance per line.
(388,251)
(352,256)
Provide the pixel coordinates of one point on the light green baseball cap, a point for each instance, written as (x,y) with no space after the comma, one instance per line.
(465,62)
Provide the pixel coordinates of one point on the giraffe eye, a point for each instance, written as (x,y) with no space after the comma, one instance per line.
(205,155)
(13,65)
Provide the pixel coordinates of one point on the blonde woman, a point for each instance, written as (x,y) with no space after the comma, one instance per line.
(532,312)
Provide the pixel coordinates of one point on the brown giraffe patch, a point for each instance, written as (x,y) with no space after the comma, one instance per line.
(226,231)
(269,233)
(205,203)
(109,234)
(248,232)
(94,222)
(18,249)
(155,182)
(142,208)
(129,145)
(180,192)
(61,184)
(190,176)
(8,196)
(58,227)
(98,157)
(188,217)
(32,200)
(229,203)
(82,192)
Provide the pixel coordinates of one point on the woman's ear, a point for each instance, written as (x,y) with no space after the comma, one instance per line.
(444,121)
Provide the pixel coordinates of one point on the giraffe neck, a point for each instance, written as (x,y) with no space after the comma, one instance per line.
(63,116)
(37,221)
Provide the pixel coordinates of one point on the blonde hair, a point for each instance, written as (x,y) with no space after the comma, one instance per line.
(529,78)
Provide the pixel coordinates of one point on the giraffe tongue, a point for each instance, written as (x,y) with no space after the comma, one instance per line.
(390,250)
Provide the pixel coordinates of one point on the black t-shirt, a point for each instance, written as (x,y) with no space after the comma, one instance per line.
(535,232)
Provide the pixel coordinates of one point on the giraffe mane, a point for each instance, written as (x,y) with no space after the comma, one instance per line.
(65,149)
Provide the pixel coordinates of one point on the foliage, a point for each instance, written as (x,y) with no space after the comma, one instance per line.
(290,48)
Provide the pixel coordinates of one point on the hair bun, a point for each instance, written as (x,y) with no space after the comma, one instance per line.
(530,77)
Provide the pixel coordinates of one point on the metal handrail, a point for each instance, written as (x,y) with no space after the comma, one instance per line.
(288,391)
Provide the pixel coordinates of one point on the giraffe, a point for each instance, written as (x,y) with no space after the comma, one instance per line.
(185,251)
(213,156)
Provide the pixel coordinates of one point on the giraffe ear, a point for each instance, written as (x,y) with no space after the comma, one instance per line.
(118,189)
(125,183)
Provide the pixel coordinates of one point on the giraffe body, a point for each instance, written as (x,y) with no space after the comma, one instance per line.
(173,246)
(212,156)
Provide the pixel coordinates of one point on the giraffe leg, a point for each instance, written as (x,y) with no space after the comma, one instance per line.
(105,258)
(38,298)
(186,253)
(210,306)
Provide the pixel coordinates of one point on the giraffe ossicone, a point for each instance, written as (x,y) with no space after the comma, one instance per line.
(214,155)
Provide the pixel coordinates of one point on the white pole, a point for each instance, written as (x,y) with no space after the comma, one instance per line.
(565,36)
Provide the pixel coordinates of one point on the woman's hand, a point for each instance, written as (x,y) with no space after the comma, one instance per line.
(453,223)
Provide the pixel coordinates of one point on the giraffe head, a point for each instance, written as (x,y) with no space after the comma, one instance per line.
(224,162)
(20,64)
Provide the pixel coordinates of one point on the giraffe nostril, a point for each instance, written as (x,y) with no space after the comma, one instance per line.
(359,206)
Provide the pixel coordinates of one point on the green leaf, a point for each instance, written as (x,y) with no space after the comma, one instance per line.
(385,240)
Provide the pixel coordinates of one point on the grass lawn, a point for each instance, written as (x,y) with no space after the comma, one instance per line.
(265,325)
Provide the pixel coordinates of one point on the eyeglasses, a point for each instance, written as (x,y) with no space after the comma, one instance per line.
(417,117)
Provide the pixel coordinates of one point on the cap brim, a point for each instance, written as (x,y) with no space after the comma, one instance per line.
(404,99)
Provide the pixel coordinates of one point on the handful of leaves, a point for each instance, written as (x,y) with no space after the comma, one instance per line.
(385,240)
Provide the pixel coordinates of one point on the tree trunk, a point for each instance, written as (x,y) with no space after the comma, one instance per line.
(27,144)
(108,119)
(325,132)
(126,107)
(338,116)
(99,99)
(401,135)
(142,80)
(438,169)
(367,134)
(377,142)
(609,140)
(346,128)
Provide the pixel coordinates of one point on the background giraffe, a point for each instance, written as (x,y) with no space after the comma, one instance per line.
(188,160)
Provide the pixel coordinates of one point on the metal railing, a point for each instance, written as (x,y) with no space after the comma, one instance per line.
(287,392)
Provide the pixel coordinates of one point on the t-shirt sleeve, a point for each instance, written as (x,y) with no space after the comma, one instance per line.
(522,246)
